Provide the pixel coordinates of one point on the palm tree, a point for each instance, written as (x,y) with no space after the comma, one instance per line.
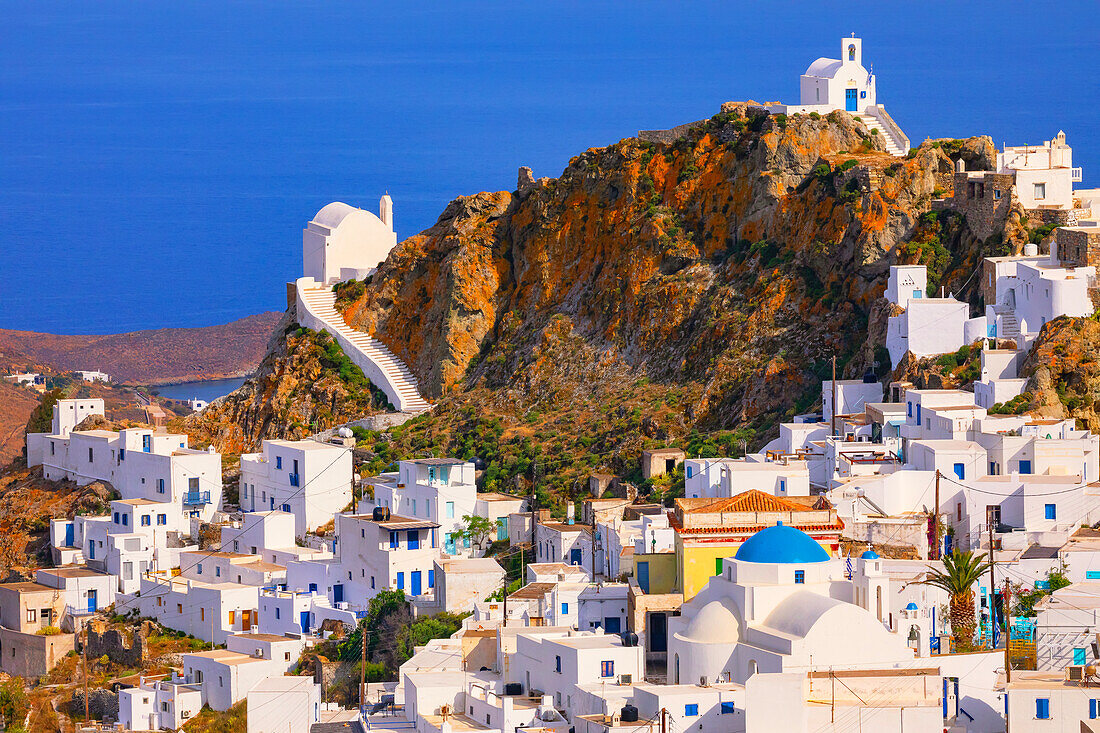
(961,570)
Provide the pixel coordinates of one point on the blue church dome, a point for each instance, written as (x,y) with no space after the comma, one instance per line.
(870,555)
(781,544)
(911,607)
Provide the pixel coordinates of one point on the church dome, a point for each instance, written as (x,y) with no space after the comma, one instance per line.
(781,544)
(824,68)
(333,215)
(870,555)
(714,624)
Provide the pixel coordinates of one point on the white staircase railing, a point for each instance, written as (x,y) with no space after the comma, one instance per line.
(317,310)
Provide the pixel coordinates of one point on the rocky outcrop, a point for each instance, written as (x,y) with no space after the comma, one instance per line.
(303,385)
(700,284)
(1064,371)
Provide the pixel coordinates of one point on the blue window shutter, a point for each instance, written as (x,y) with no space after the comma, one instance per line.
(1092,710)
(960,470)
(400,581)
(1042,708)
(431,578)
(1051,512)
(691,709)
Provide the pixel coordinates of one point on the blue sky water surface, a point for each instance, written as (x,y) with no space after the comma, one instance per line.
(159,160)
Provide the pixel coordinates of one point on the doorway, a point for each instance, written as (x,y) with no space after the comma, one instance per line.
(850,100)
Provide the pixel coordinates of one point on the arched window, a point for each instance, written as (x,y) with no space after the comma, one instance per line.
(852,52)
(752,668)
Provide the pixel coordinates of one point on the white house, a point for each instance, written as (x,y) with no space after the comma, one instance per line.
(1030,292)
(158,704)
(439,490)
(284,704)
(1066,624)
(306,478)
(926,326)
(227,675)
(725,477)
(1044,173)
(208,611)
(852,396)
(93,376)
(345,243)
(1046,702)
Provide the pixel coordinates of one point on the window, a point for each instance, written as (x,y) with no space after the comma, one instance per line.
(557,664)
(717,566)
(918,414)
(52,451)
(728,707)
(32,615)
(200,568)
(852,52)
(179,608)
(960,470)
(782,485)
(286,508)
(90,456)
(800,577)
(236,546)
(958,511)
(372,581)
(431,578)
(607,669)
(278,462)
(400,581)
(277,612)
(414,539)
(909,409)
(193,484)
(996,194)
(687,472)
(147,443)
(202,614)
(125,520)
(394,541)
(1042,708)
(217,572)
(1092,709)
(564,609)
(1050,511)
(992,468)
(1040,191)
(146,520)
(450,510)
(162,519)
(414,507)
(691,710)
(116,517)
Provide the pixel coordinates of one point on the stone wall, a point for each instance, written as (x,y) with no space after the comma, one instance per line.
(984,199)
(32,655)
(1078,247)
(895,532)
(126,649)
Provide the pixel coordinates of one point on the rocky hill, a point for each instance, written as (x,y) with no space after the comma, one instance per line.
(688,292)
(304,384)
(146,357)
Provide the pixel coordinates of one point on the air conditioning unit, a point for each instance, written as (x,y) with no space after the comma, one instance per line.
(444,709)
(1075,673)
(626,679)
(259,654)
(704,682)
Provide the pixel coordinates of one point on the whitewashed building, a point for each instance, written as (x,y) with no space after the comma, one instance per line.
(346,243)
(306,478)
(439,490)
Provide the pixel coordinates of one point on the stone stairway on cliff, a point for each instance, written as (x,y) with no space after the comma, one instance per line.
(322,303)
(1010,327)
(894,145)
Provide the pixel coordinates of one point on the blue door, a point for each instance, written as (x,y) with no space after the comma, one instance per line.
(312,587)
(850,100)
(338,593)
(1079,655)
(91,549)
(575,556)
(449,545)
(69,535)
(643,576)
(414,583)
(93,602)
(612,624)
(303,619)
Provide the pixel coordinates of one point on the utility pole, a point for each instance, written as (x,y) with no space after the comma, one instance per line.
(664,720)
(1008,631)
(362,666)
(505,621)
(84,663)
(592,509)
(832,413)
(832,696)
(992,583)
(936,519)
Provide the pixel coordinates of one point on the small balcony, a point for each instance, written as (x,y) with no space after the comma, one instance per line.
(195,498)
(294,480)
(1075,175)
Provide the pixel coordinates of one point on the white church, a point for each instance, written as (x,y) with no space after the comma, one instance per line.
(844,84)
(346,243)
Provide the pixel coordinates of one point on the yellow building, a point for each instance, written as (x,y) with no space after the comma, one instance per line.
(709,530)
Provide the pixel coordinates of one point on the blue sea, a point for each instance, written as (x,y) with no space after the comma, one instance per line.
(210,389)
(159,160)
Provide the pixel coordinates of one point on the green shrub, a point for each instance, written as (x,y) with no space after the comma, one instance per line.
(815,116)
(846,165)
(821,170)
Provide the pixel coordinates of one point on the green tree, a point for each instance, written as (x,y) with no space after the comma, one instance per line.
(41,419)
(960,571)
(13,704)
(480,531)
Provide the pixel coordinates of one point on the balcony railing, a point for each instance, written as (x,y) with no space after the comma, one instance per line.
(1075,175)
(196,497)
(293,479)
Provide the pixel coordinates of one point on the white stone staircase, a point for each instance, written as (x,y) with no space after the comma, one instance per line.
(872,120)
(1009,326)
(317,310)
